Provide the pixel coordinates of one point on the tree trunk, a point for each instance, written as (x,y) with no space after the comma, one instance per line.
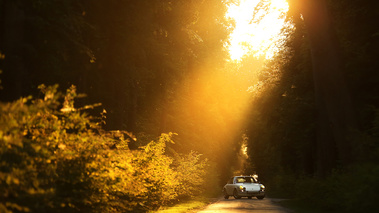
(336,120)
(13,41)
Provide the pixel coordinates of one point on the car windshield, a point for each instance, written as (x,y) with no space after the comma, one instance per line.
(245,180)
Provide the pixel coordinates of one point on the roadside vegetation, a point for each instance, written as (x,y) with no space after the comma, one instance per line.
(191,205)
(57,158)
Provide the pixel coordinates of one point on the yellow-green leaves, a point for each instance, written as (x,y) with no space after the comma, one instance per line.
(61,160)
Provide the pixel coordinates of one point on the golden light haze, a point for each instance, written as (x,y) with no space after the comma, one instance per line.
(259,38)
(213,101)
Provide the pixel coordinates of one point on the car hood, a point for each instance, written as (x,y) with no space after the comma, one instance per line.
(252,186)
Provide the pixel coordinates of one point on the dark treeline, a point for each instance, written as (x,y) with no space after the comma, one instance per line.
(155,66)
(128,53)
(143,60)
(313,133)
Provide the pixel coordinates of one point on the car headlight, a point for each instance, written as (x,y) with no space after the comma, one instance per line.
(262,187)
(242,188)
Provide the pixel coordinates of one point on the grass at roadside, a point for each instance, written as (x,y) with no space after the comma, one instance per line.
(186,206)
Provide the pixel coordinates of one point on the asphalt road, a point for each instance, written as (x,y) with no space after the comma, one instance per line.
(245,205)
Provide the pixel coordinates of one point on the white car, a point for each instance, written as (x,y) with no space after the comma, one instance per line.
(244,186)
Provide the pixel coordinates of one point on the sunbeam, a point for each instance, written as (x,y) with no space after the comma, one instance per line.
(249,36)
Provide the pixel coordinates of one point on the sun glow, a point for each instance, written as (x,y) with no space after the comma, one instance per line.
(258,38)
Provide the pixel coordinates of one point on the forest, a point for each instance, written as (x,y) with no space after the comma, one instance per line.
(128,106)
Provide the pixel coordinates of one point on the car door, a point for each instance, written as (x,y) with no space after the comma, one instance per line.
(230,186)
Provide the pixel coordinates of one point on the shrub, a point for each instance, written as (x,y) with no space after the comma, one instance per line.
(56,158)
(351,190)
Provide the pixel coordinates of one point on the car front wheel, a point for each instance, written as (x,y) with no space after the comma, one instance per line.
(235,194)
(260,197)
(226,196)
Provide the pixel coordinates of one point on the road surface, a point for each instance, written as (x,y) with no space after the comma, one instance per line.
(244,205)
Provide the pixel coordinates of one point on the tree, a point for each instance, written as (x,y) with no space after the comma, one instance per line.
(336,115)
(12,39)
(336,124)
(137,58)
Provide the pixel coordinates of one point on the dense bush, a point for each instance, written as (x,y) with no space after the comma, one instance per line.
(351,190)
(56,158)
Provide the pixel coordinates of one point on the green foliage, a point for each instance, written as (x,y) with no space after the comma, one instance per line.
(190,170)
(282,126)
(56,158)
(283,129)
(152,64)
(352,190)
(282,185)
